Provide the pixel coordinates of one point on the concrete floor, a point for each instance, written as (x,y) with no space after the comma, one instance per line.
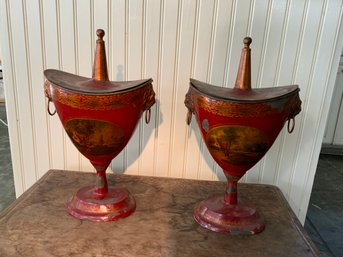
(324,221)
(7,194)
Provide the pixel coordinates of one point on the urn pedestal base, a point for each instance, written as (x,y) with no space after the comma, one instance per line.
(115,204)
(235,219)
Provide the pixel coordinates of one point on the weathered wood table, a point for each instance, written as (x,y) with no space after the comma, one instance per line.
(37,223)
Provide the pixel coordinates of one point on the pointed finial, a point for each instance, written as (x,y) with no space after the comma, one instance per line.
(100,33)
(247,41)
(100,63)
(243,80)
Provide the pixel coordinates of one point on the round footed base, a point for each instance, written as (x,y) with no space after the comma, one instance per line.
(216,215)
(87,204)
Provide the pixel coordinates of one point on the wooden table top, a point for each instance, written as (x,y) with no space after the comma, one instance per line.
(37,223)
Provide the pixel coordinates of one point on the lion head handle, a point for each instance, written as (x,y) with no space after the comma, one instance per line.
(190,106)
(47,93)
(149,100)
(294,110)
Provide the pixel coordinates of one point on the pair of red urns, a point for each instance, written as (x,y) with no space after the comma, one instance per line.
(238,126)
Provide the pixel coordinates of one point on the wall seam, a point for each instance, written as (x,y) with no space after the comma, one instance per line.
(15,95)
(308,93)
(29,78)
(276,82)
(325,94)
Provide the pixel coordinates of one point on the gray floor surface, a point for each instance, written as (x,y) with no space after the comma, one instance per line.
(324,221)
(7,194)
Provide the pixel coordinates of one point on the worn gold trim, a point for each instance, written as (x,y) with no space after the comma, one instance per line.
(144,96)
(237,109)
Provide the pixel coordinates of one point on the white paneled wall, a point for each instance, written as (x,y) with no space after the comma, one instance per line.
(294,42)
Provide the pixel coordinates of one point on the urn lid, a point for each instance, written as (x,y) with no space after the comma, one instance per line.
(238,95)
(99,84)
(242,91)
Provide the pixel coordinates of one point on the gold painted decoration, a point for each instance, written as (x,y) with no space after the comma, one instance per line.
(144,94)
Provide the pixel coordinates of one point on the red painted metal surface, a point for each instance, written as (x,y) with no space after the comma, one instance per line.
(238,126)
(99,117)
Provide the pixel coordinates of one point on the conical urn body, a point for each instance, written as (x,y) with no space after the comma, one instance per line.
(99,117)
(238,126)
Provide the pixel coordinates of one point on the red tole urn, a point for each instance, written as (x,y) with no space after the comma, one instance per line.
(99,117)
(238,126)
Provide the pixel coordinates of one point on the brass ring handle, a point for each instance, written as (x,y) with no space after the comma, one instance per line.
(290,129)
(48,108)
(147,116)
(189,117)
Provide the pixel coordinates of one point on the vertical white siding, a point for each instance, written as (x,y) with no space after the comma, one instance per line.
(294,42)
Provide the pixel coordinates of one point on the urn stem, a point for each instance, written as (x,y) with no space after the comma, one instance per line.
(101,186)
(230,196)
